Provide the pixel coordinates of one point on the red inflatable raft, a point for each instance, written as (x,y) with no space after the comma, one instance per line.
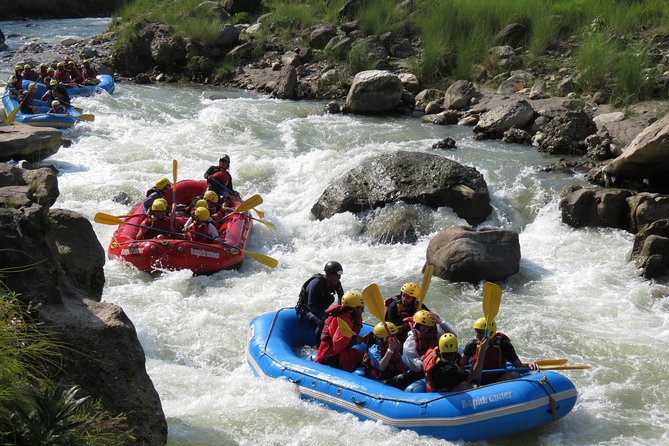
(175,253)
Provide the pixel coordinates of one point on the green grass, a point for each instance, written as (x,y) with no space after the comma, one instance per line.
(456,35)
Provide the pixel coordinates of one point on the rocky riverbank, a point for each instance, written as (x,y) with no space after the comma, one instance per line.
(62,281)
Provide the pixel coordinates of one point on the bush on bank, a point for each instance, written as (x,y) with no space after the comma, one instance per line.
(607,41)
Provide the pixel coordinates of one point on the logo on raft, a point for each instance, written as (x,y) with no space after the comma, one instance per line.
(204,253)
(133,250)
(486,399)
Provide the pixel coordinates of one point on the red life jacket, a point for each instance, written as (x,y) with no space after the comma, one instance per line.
(394,368)
(493,359)
(326,347)
(430,360)
(161,225)
(424,342)
(198,231)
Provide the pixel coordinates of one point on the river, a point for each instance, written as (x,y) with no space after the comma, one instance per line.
(576,296)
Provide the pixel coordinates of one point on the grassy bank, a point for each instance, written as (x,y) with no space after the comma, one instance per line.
(605,41)
(49,9)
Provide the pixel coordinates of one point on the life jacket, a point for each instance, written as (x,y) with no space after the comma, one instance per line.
(394,368)
(198,231)
(325,349)
(63,76)
(303,298)
(220,176)
(26,97)
(156,226)
(89,72)
(155,189)
(30,75)
(423,342)
(430,360)
(493,358)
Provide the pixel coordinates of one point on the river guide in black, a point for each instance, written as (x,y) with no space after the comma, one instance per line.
(317,294)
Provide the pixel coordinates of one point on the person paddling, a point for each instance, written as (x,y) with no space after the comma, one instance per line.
(499,350)
(336,349)
(219,179)
(156,223)
(162,189)
(317,294)
(403,306)
(444,368)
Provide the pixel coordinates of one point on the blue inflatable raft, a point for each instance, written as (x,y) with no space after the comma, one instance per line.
(42,118)
(106,84)
(276,338)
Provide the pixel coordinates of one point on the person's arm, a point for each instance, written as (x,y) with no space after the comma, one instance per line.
(213,232)
(411,358)
(478,365)
(445,326)
(141,231)
(209,171)
(393,346)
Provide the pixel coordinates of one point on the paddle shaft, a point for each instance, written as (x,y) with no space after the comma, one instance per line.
(548,367)
(232,192)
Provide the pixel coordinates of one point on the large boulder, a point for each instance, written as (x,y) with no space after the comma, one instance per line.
(321,35)
(646,158)
(25,142)
(58,270)
(374,91)
(411,177)
(286,87)
(589,206)
(566,134)
(459,95)
(493,123)
(463,254)
(651,251)
(151,45)
(646,208)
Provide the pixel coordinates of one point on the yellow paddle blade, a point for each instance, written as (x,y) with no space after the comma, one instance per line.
(492,297)
(86,117)
(9,120)
(259,213)
(250,203)
(174,173)
(425,285)
(344,328)
(107,219)
(548,362)
(566,367)
(373,300)
(267,223)
(262,258)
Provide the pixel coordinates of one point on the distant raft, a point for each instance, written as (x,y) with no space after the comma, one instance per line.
(175,253)
(106,84)
(495,410)
(42,118)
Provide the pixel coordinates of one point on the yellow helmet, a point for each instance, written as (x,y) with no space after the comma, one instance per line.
(423,317)
(162,183)
(60,64)
(352,299)
(32,86)
(380,330)
(210,195)
(201,204)
(448,343)
(411,289)
(86,62)
(53,82)
(71,62)
(202,214)
(480,324)
(27,66)
(159,204)
(50,70)
(18,67)
(43,65)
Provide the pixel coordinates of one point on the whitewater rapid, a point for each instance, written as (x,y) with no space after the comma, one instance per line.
(576,296)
